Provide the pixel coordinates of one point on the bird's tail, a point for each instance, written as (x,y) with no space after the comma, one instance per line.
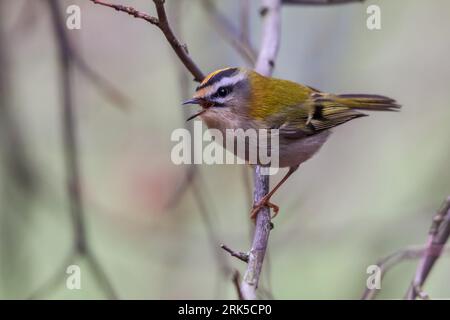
(370,102)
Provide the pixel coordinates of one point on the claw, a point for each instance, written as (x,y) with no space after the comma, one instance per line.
(264,203)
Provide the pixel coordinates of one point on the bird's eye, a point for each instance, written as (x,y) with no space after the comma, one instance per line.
(223,91)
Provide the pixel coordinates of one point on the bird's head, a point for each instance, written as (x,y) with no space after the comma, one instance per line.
(225,91)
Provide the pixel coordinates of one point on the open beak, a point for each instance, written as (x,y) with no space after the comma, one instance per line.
(194,101)
(196,115)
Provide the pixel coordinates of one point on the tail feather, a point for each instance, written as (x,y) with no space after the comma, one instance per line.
(368,102)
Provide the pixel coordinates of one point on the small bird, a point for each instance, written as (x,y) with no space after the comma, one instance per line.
(239,98)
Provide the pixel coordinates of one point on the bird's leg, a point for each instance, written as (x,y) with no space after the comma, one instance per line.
(265,201)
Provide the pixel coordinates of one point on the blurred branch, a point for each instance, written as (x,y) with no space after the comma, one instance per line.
(230,33)
(437,238)
(102,83)
(163,24)
(236,280)
(192,171)
(27,20)
(19,181)
(387,263)
(71,153)
(319,2)
(12,143)
(271,13)
(429,253)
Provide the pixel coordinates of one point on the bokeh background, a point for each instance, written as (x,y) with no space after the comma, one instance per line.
(372,189)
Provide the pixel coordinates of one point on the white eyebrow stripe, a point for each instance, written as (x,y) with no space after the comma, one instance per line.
(227,82)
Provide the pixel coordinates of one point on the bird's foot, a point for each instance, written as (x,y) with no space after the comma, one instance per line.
(264,203)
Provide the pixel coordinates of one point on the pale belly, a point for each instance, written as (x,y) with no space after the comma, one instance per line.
(279,151)
(295,152)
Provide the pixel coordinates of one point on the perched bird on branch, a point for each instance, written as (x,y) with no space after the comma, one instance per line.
(238,98)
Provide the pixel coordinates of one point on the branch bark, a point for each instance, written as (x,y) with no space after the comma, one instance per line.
(437,238)
(271,13)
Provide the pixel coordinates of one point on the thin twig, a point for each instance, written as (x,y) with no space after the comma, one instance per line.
(229,32)
(163,24)
(387,263)
(237,254)
(130,10)
(266,61)
(437,238)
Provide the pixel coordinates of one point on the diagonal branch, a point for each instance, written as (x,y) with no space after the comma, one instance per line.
(437,238)
(271,12)
(387,263)
(130,10)
(163,24)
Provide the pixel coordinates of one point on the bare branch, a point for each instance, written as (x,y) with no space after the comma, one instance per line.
(180,49)
(226,28)
(437,238)
(271,12)
(130,10)
(319,2)
(394,259)
(237,254)
(163,24)
(72,163)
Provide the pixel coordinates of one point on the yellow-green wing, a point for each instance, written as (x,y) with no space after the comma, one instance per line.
(322,111)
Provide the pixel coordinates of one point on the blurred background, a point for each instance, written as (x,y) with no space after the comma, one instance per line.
(371,191)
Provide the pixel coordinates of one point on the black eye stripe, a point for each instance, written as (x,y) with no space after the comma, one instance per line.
(222,92)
